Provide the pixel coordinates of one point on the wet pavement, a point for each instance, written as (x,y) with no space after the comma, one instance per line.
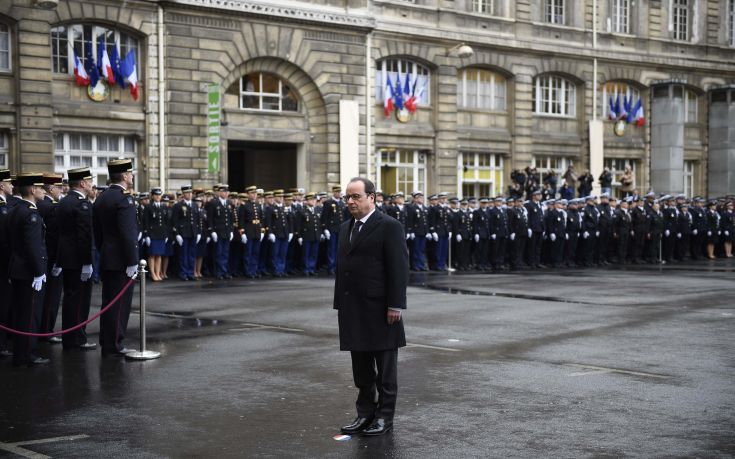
(635,362)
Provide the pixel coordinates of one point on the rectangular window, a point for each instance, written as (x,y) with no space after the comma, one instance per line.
(689,177)
(482,89)
(617,167)
(4,48)
(401,170)
(483,6)
(555,12)
(548,165)
(91,150)
(621,16)
(690,105)
(480,174)
(4,150)
(554,96)
(680,19)
(80,37)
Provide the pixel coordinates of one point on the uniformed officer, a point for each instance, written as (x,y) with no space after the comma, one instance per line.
(264,259)
(47,208)
(280,233)
(417,224)
(555,223)
(463,232)
(253,225)
(498,224)
(519,231)
(536,225)
(7,201)
(28,267)
(219,219)
(75,256)
(671,214)
(574,229)
(398,210)
(203,241)
(655,231)
(155,233)
(309,233)
(185,230)
(333,214)
(683,231)
(605,227)
(115,236)
(622,230)
(481,230)
(713,231)
(590,229)
(439,226)
(641,224)
(699,228)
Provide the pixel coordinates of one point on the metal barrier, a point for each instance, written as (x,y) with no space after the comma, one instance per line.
(143,353)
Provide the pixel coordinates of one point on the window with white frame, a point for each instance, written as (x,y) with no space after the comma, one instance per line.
(72,150)
(620,16)
(267,92)
(690,168)
(731,22)
(554,12)
(4,150)
(480,88)
(548,164)
(83,37)
(397,70)
(613,90)
(617,167)
(480,174)
(680,19)
(553,95)
(691,101)
(4,48)
(484,6)
(401,170)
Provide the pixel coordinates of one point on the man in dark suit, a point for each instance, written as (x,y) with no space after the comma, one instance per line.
(75,256)
(369,294)
(116,238)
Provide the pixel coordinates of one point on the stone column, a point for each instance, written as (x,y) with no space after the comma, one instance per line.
(445,164)
(667,143)
(721,164)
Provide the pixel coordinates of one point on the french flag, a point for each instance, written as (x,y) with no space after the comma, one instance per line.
(103,60)
(130,73)
(613,114)
(79,73)
(640,118)
(409,92)
(388,98)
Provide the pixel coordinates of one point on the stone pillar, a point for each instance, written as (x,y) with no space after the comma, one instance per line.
(721,164)
(445,159)
(667,141)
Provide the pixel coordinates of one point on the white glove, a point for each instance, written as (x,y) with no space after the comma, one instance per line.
(327,234)
(272,237)
(165,241)
(694,232)
(231,235)
(214,236)
(709,233)
(436,237)
(140,235)
(632,233)
(667,233)
(86,273)
(300,241)
(290,236)
(179,240)
(493,236)
(597,234)
(450,235)
(428,236)
(566,236)
(413,236)
(477,238)
(55,271)
(38,282)
(459,238)
(208,239)
(199,238)
(262,235)
(244,238)
(552,237)
(727,233)
(408,236)
(529,232)
(512,236)
(148,241)
(132,271)
(321,238)
(678,235)
(719,232)
(585,235)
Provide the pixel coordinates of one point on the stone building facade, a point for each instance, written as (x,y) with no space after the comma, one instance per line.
(285,69)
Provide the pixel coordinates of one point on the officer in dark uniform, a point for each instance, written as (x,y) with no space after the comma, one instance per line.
(280,233)
(605,228)
(518,223)
(683,231)
(309,233)
(75,256)
(398,210)
(641,223)
(430,241)
(555,222)
(670,213)
(219,219)
(439,227)
(622,228)
(333,214)
(185,230)
(481,232)
(699,228)
(498,223)
(28,267)
(253,225)
(536,225)
(52,293)
(156,229)
(115,236)
(7,201)
(574,229)
(418,227)
(590,230)
(463,231)
(655,231)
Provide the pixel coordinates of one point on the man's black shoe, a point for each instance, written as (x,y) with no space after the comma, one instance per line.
(357,426)
(378,427)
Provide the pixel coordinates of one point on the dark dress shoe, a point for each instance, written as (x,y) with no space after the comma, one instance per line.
(357,426)
(378,427)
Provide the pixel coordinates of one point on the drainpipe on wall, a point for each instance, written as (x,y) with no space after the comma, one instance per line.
(161,106)
(368,105)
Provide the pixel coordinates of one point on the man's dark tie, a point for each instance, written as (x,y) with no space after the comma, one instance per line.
(355,230)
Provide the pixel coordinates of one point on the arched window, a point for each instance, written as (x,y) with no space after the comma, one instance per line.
(267,92)
(419,83)
(480,88)
(553,95)
(613,89)
(82,38)
(4,48)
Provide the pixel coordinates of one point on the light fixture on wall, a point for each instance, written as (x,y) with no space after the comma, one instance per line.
(462,51)
(46,4)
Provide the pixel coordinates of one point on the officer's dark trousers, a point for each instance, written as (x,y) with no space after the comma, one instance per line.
(376,372)
(463,254)
(442,247)
(332,251)
(497,252)
(310,251)
(5,317)
(698,244)
(51,302)
(481,254)
(221,256)
(603,246)
(652,249)
(639,239)
(75,308)
(534,248)
(570,248)
(279,254)
(669,244)
(251,254)
(431,254)
(517,246)
(418,255)
(27,307)
(682,247)
(557,250)
(187,257)
(114,322)
(234,257)
(623,248)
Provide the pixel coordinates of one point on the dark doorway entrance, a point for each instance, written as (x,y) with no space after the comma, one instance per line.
(265,164)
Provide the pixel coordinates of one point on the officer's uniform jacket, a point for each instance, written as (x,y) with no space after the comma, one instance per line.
(641,220)
(252,219)
(115,229)
(309,226)
(28,257)
(590,219)
(518,222)
(219,218)
(684,223)
(47,209)
(279,221)
(76,240)
(463,224)
(622,223)
(555,223)
(438,219)
(498,222)
(333,214)
(480,223)
(417,219)
(185,219)
(156,224)
(535,217)
(399,213)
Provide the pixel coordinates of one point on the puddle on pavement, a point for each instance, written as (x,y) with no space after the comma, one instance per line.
(462,291)
(186,319)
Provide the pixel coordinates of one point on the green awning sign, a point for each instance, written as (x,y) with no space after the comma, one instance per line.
(213,125)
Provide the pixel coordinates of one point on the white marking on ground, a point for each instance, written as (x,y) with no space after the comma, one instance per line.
(617,370)
(436,348)
(15,448)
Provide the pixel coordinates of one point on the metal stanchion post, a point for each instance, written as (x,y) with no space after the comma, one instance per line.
(143,354)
